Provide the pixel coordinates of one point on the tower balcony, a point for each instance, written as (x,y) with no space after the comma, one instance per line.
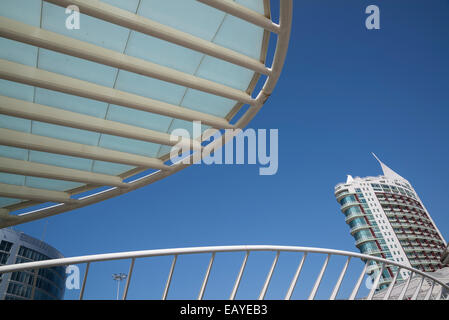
(365,239)
(349,205)
(343,194)
(353,216)
(358,228)
(373,252)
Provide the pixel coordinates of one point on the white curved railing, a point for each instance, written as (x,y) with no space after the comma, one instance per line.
(418,285)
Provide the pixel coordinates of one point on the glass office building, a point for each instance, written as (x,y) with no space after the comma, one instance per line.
(388,219)
(17,247)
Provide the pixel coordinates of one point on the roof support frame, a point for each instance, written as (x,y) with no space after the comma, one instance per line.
(52,81)
(34,169)
(242,12)
(121,17)
(27,193)
(42,38)
(146,26)
(33,111)
(30,141)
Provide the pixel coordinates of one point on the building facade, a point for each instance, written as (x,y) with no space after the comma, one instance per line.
(445,256)
(388,219)
(18,247)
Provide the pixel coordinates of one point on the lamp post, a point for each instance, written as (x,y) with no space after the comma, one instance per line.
(118,277)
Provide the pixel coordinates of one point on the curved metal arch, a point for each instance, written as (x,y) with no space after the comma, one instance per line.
(247,249)
(283,35)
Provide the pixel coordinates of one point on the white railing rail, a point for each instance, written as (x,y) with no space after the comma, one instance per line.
(434,288)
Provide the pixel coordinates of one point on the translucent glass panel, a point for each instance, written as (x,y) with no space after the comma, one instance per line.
(188,16)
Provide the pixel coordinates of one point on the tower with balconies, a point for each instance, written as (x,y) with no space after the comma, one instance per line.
(388,219)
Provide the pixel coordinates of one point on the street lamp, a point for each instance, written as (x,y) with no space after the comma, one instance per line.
(118,277)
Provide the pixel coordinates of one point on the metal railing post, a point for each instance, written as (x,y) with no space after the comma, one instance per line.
(320,277)
(404,290)
(84,281)
(239,277)
(359,282)
(170,275)
(340,279)
(268,279)
(391,286)
(33,291)
(128,280)
(295,277)
(376,282)
(206,277)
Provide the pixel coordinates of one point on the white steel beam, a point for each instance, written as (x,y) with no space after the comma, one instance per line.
(126,19)
(285,21)
(242,12)
(35,169)
(30,141)
(5,216)
(38,112)
(52,81)
(27,193)
(49,40)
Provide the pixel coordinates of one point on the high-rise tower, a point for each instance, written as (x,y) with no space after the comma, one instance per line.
(388,219)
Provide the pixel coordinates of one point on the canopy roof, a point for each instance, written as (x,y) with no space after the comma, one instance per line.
(89,108)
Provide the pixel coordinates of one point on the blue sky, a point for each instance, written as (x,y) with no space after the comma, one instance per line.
(345,92)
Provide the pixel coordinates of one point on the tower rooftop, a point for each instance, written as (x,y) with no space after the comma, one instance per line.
(389,173)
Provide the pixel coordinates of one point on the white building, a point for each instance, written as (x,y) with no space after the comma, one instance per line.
(388,219)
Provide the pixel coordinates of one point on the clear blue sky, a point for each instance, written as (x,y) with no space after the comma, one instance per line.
(344,92)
